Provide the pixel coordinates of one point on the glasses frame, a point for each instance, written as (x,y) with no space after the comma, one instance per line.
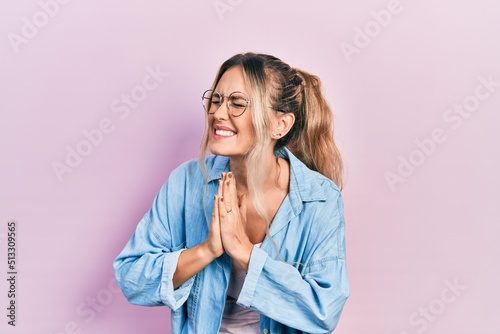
(228,102)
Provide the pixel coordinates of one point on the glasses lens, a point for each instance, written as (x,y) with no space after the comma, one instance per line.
(212,100)
(239,102)
(207,99)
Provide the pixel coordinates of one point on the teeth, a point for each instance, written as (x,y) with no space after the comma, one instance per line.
(224,133)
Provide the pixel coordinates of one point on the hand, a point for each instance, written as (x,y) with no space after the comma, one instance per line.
(213,244)
(232,217)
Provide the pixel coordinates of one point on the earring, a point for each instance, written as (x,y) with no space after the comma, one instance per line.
(276,134)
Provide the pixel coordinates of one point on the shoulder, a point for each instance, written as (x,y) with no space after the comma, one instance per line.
(314,198)
(321,193)
(330,189)
(192,170)
(308,184)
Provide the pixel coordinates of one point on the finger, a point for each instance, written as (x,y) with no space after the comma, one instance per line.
(222,210)
(219,189)
(242,203)
(232,188)
(221,183)
(215,212)
(217,199)
(228,198)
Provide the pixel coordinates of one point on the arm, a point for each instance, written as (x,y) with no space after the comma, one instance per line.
(145,267)
(311,299)
(193,260)
(155,268)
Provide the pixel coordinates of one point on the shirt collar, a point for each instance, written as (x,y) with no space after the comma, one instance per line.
(304,183)
(220,165)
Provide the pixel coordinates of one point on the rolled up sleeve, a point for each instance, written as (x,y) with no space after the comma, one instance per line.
(145,267)
(310,300)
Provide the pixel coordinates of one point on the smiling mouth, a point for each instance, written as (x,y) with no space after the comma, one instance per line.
(224,133)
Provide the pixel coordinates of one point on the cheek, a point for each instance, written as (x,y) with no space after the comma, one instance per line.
(247,125)
(210,122)
(250,136)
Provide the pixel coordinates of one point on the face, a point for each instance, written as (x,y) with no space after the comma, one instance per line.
(228,135)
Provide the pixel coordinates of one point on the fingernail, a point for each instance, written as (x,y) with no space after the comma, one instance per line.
(227,183)
(230,175)
(222,199)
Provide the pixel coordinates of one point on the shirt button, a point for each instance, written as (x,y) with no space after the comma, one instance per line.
(265,331)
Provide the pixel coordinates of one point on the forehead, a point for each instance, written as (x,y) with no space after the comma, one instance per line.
(231,81)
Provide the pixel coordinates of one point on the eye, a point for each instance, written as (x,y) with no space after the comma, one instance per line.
(216,99)
(238,101)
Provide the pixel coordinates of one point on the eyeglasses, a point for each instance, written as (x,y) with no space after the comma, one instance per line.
(237,102)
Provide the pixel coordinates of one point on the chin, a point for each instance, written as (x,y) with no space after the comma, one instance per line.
(225,151)
(222,152)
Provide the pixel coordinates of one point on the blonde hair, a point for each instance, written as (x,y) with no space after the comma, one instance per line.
(288,90)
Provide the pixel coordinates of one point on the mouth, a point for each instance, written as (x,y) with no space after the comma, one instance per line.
(224,133)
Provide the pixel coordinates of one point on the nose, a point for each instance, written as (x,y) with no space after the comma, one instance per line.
(222,112)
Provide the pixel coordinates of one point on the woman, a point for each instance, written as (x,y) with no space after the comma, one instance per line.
(251,238)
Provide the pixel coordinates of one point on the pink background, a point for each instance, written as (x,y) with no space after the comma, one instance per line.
(437,226)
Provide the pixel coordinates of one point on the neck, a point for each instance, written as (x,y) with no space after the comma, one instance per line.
(276,173)
(237,165)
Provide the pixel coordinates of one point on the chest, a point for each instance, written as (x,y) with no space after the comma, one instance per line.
(256,225)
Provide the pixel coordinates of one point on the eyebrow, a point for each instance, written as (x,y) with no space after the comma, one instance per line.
(236,91)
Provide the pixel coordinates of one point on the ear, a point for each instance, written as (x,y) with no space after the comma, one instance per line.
(282,124)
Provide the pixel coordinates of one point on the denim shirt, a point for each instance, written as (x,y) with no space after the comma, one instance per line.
(296,280)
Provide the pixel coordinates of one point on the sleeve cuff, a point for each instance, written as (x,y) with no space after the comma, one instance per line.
(173,298)
(255,266)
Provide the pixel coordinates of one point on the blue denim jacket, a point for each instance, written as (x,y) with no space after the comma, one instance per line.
(300,290)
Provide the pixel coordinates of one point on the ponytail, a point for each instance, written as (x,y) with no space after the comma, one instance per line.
(312,142)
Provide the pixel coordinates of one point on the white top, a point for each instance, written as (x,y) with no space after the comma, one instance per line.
(237,319)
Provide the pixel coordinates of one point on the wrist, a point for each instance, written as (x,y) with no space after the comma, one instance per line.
(242,256)
(205,252)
